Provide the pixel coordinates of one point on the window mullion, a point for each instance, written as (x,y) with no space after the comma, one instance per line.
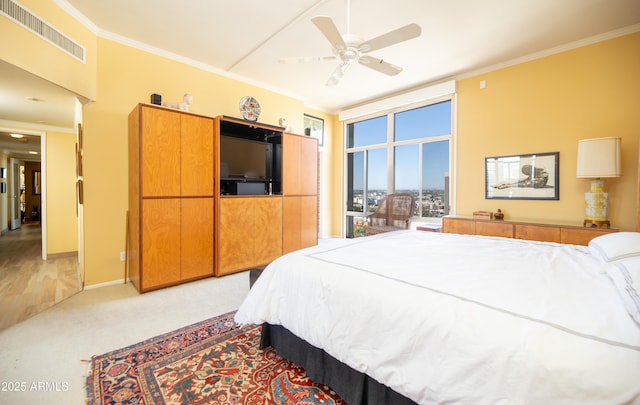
(420,191)
(390,153)
(365,184)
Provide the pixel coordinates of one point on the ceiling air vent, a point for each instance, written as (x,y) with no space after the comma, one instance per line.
(35,24)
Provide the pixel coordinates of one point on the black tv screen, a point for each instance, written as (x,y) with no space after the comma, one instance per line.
(243,158)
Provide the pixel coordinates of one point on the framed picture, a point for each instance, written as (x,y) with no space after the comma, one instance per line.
(3,172)
(80,191)
(3,187)
(523,177)
(78,161)
(80,136)
(36,182)
(314,126)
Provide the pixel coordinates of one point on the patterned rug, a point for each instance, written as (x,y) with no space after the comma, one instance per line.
(212,362)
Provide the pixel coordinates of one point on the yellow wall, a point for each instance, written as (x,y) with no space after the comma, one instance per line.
(128,76)
(62,221)
(30,52)
(543,105)
(4,197)
(336,182)
(547,105)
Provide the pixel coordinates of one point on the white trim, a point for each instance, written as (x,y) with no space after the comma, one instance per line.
(453,163)
(43,193)
(107,284)
(34,129)
(73,12)
(43,178)
(552,51)
(411,97)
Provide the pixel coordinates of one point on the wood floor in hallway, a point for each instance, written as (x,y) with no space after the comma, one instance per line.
(28,284)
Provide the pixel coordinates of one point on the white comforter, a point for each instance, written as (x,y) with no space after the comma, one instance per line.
(455,319)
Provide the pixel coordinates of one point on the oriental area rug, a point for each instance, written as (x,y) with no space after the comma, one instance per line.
(212,362)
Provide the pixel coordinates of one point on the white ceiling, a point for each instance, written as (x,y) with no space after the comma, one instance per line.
(26,98)
(245,40)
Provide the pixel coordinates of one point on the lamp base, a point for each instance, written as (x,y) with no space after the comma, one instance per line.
(591,223)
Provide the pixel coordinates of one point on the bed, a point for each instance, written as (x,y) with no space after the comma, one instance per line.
(431,318)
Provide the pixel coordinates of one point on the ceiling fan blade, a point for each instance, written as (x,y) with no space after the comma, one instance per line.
(330,31)
(337,74)
(379,65)
(305,59)
(391,38)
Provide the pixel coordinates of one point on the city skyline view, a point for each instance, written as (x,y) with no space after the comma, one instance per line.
(408,155)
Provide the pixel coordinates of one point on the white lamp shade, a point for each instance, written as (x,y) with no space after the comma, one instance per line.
(598,158)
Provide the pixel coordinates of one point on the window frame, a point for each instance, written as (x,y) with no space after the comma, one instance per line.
(390,145)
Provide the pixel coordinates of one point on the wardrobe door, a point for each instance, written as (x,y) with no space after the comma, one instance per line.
(160,133)
(196,237)
(267,229)
(235,227)
(160,242)
(196,145)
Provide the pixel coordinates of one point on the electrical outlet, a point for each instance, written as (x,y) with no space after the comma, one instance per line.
(123,256)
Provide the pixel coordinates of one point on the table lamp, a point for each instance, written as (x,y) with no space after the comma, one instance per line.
(598,158)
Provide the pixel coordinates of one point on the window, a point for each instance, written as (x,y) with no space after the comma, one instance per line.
(399,152)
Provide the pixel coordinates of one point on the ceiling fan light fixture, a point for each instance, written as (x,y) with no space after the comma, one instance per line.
(350,48)
(337,74)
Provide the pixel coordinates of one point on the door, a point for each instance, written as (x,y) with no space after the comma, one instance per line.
(196,241)
(267,229)
(235,230)
(160,135)
(14,196)
(160,242)
(300,222)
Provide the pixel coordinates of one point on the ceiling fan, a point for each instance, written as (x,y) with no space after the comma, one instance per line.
(350,48)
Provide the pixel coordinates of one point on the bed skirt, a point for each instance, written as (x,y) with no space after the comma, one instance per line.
(354,387)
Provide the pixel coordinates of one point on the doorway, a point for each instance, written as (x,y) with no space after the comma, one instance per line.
(37,108)
(26,180)
(34,280)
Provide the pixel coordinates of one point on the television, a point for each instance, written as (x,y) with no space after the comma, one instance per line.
(243,158)
(250,167)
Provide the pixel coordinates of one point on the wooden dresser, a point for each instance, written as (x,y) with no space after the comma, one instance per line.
(529,230)
(171,197)
(186,221)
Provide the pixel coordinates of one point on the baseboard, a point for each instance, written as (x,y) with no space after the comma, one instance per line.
(107,284)
(62,254)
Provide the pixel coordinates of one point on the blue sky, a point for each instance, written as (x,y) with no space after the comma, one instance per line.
(425,122)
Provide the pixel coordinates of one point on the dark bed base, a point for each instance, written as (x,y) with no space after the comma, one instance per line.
(354,387)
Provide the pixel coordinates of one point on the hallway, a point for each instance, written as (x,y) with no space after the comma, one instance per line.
(28,284)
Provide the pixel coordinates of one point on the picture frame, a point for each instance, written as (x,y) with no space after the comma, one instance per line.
(523,177)
(314,126)
(80,137)
(36,182)
(78,161)
(80,191)
(3,172)
(3,187)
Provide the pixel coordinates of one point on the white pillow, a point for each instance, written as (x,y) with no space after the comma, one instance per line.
(615,246)
(625,275)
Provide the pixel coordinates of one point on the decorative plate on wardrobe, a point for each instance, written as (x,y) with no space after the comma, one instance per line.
(249,108)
